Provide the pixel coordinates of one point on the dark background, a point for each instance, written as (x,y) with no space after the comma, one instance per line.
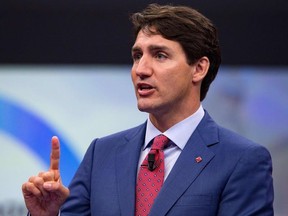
(252,32)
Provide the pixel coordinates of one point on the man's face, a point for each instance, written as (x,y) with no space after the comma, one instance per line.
(161,75)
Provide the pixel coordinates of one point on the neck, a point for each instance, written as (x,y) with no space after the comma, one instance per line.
(165,120)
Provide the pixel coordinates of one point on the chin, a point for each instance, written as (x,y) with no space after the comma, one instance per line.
(144,107)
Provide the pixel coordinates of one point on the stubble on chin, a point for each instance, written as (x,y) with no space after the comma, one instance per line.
(143,105)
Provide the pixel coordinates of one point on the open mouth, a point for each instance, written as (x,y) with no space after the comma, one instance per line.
(144,87)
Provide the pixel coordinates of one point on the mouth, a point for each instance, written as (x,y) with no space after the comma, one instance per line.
(144,89)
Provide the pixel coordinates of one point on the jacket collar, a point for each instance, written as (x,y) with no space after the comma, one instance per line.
(126,168)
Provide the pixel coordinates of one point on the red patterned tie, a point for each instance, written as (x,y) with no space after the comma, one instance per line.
(150,177)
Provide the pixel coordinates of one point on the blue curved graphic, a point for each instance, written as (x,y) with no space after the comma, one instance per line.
(36,135)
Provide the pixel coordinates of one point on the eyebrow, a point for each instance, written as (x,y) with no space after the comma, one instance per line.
(151,48)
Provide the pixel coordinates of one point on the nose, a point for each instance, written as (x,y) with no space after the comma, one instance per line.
(143,67)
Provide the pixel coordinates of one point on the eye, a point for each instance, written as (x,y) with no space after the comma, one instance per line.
(136,56)
(160,56)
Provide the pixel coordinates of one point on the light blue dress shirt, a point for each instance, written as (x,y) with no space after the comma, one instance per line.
(178,135)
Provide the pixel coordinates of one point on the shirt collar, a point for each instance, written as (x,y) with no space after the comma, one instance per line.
(178,133)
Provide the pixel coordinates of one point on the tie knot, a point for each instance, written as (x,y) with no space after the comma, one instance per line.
(159,142)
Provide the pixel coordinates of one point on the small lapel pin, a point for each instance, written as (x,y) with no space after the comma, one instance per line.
(198,159)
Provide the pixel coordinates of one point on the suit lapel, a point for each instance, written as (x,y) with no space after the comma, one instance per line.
(193,159)
(127,156)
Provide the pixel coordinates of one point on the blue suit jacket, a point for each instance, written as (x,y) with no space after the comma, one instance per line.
(233,178)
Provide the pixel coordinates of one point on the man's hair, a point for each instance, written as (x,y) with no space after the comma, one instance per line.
(193,31)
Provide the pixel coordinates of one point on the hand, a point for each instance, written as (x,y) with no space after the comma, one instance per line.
(44,194)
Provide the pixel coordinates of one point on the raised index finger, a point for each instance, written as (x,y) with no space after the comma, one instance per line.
(55,153)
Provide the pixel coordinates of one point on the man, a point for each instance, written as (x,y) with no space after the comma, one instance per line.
(207,170)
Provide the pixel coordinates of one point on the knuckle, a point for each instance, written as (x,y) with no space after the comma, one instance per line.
(48,176)
(31,179)
(40,174)
(38,181)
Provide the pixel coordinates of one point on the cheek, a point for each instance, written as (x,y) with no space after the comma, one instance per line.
(177,85)
(169,87)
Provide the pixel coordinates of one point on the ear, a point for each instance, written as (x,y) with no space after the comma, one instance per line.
(200,69)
